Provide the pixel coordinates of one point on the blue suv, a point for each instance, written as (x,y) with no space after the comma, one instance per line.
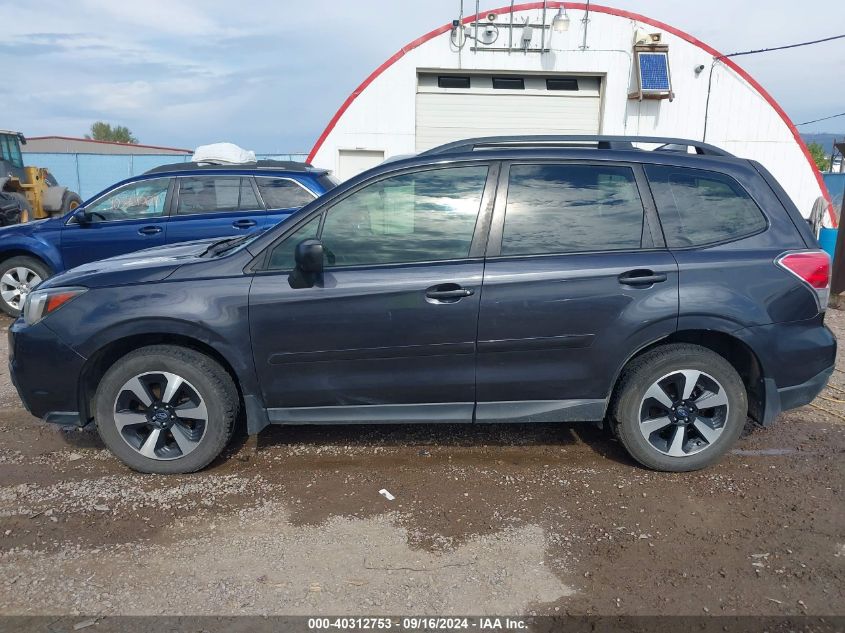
(168,204)
(553,279)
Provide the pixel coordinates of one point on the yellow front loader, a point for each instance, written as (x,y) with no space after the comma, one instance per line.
(26,192)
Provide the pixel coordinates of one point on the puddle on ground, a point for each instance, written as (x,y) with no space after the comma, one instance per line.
(257,562)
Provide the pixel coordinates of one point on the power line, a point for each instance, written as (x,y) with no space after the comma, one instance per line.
(764,50)
(780,48)
(832,116)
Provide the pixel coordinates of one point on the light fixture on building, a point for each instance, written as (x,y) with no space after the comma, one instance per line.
(560,22)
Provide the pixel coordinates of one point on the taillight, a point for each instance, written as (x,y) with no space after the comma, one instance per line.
(811,267)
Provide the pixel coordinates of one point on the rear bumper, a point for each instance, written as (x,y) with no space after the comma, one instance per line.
(785,398)
(797,361)
(45,373)
(799,395)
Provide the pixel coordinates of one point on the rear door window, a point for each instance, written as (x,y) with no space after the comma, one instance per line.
(566,208)
(283,193)
(699,207)
(216,194)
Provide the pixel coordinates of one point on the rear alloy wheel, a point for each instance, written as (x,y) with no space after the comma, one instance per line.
(18,277)
(679,407)
(166,409)
(683,413)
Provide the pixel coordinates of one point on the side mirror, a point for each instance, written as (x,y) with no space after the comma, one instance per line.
(309,264)
(81,217)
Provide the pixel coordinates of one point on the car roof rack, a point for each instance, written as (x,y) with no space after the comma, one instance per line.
(665,144)
(285,165)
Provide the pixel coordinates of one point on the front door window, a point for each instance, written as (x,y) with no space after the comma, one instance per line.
(135,201)
(423,216)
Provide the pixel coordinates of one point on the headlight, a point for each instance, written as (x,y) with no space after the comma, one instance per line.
(40,303)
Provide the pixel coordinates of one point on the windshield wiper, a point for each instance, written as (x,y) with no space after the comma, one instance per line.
(224,245)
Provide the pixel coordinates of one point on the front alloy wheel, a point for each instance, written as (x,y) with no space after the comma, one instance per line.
(16,283)
(166,409)
(161,415)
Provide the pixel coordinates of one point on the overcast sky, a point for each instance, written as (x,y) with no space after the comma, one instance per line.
(268,75)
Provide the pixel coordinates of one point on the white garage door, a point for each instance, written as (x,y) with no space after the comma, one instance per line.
(351,162)
(451,107)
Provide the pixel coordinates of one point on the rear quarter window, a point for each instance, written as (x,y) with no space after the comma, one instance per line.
(283,193)
(699,207)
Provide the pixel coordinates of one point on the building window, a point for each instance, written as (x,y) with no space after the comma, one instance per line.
(451,81)
(561,83)
(508,83)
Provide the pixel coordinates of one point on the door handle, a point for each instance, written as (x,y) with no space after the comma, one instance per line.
(149,230)
(641,278)
(448,293)
(243,224)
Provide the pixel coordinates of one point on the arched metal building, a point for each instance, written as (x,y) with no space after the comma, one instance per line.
(563,68)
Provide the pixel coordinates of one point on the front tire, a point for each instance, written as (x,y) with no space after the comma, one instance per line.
(679,407)
(18,277)
(166,409)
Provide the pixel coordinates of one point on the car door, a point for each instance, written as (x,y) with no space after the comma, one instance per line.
(576,280)
(129,218)
(212,205)
(282,196)
(388,332)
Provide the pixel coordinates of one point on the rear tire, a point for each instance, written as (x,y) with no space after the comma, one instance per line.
(679,407)
(20,212)
(188,417)
(18,277)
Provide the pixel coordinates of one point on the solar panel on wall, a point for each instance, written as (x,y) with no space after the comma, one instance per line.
(654,72)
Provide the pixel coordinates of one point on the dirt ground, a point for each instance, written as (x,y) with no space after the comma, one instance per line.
(506,519)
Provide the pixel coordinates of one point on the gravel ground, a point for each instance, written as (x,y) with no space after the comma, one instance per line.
(547,519)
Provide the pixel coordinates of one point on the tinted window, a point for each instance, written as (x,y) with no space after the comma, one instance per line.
(281,193)
(135,201)
(422,216)
(213,194)
(508,83)
(571,208)
(444,81)
(5,149)
(282,256)
(562,83)
(702,207)
(17,158)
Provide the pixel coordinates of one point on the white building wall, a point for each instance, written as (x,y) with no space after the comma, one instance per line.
(740,119)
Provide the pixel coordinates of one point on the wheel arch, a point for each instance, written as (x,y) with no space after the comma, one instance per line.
(100,360)
(45,255)
(737,352)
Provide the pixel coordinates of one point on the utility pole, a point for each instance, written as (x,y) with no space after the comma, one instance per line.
(837,281)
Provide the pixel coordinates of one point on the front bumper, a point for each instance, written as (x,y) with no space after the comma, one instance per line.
(45,371)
